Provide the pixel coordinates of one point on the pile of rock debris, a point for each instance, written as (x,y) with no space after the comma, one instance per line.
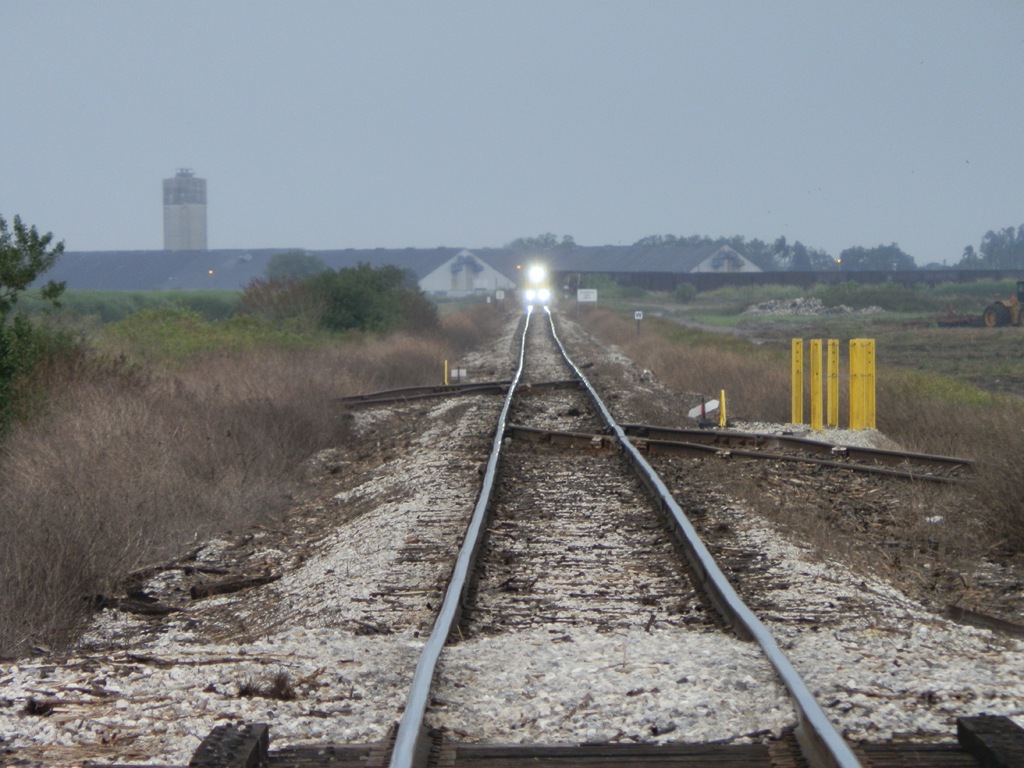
(810,307)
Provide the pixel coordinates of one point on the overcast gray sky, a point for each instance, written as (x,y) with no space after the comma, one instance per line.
(343,124)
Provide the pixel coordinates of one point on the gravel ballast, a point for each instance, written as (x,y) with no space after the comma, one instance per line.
(345,621)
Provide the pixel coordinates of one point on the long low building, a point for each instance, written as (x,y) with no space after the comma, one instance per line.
(445,271)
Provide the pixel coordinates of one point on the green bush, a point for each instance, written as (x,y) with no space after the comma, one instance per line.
(28,353)
(373,300)
(685,292)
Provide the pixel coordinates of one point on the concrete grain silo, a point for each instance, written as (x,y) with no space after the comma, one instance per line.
(184,212)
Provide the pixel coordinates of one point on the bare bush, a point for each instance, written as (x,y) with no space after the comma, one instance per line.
(125,467)
(280,299)
(928,415)
(466,330)
(757,386)
(122,470)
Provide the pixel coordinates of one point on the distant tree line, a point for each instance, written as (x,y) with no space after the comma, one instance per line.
(783,256)
(998,250)
(779,256)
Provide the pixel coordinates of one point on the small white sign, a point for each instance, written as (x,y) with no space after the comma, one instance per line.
(586,294)
(499,295)
(638,315)
(709,406)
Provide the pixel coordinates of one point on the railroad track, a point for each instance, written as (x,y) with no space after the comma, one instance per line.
(564,551)
(702,443)
(547,523)
(538,596)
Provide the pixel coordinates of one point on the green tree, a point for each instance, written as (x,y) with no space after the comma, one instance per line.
(376,300)
(544,242)
(1003,249)
(24,256)
(282,266)
(883,258)
(970,259)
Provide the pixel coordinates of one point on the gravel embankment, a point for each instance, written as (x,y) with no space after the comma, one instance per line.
(346,619)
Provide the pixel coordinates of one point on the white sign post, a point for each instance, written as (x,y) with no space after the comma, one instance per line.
(639,316)
(586,295)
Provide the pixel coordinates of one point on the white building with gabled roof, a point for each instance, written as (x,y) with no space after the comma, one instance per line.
(463,274)
(725,259)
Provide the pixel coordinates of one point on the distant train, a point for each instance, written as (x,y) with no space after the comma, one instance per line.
(537,285)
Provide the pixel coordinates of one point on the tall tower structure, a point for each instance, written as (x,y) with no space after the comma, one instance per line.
(184,212)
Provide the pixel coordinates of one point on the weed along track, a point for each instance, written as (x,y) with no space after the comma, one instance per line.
(494,574)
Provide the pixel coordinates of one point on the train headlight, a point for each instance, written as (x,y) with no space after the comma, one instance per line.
(543,295)
(537,274)
(530,294)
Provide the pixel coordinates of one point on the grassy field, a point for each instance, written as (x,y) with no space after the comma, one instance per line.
(956,392)
(906,335)
(98,307)
(170,427)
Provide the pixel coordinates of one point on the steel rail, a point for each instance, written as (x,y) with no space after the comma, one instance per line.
(408,741)
(822,744)
(754,440)
(651,446)
(411,394)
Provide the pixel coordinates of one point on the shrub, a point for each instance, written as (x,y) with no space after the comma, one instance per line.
(374,300)
(30,355)
(685,292)
(280,300)
(127,465)
(756,381)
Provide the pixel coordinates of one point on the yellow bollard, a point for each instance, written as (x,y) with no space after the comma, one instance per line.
(816,384)
(798,381)
(832,372)
(721,410)
(446,373)
(862,384)
(869,384)
(856,387)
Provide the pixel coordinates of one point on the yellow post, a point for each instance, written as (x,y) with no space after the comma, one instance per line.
(816,384)
(798,381)
(856,387)
(446,373)
(862,384)
(869,382)
(721,410)
(832,372)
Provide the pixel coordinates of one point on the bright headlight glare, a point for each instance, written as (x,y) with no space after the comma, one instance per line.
(543,294)
(537,274)
(530,294)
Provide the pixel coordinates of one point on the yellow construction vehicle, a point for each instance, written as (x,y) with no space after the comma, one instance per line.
(1003,312)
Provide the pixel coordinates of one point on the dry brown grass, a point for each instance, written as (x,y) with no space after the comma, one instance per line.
(125,469)
(986,515)
(756,386)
